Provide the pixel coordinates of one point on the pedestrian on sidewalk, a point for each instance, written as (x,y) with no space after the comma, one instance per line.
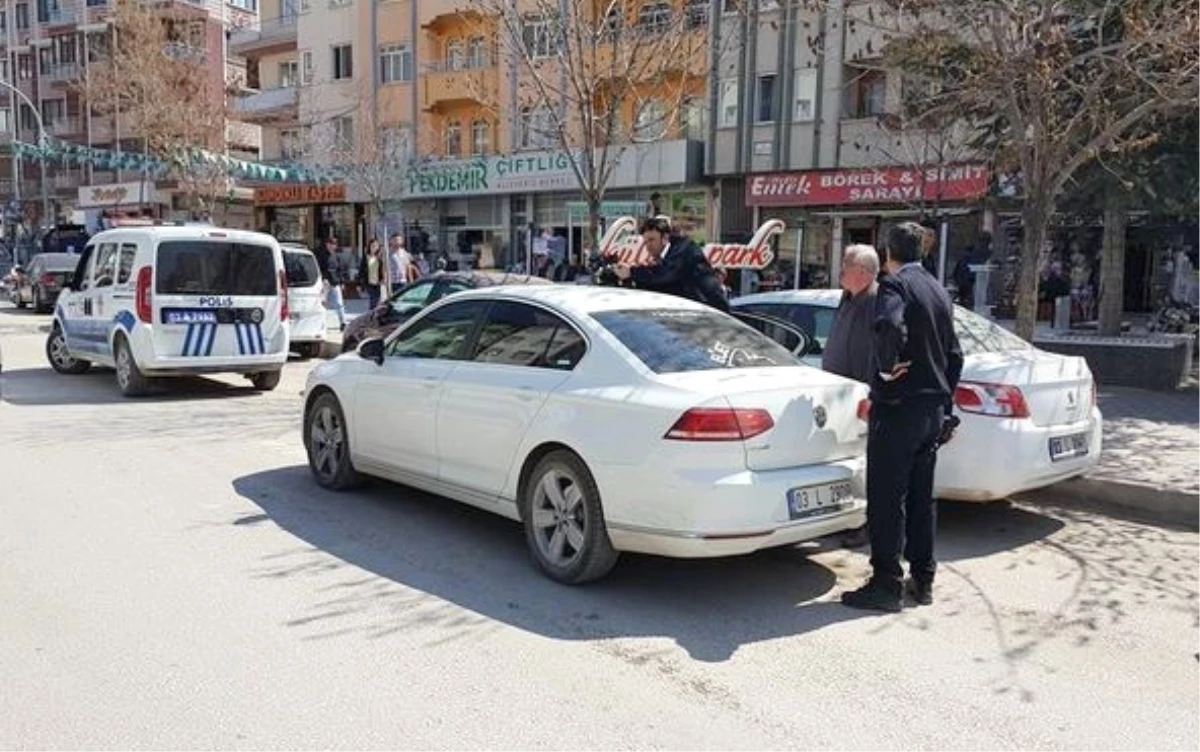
(331,272)
(918,366)
(850,348)
(399,263)
(371,273)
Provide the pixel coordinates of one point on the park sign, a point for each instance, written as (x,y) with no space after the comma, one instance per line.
(623,242)
(511,173)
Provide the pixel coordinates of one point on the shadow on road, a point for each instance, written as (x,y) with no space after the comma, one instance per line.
(416,546)
(44,386)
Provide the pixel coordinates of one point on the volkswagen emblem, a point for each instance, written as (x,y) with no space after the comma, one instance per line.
(819,416)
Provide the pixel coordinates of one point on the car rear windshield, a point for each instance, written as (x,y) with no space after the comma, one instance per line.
(212,267)
(977,335)
(301,269)
(677,341)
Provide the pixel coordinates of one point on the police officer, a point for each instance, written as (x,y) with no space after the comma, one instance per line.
(919,362)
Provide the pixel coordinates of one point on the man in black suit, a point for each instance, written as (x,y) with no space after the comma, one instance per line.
(681,268)
(912,397)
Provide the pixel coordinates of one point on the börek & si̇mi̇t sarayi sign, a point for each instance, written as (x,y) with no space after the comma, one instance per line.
(867,185)
(304,193)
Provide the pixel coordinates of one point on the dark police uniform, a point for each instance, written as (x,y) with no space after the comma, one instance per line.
(914,323)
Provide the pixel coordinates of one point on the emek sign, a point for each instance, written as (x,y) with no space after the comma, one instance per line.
(622,240)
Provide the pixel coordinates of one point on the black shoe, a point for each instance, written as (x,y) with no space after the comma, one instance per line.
(921,591)
(873,597)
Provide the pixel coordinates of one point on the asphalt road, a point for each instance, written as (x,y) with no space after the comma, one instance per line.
(171,578)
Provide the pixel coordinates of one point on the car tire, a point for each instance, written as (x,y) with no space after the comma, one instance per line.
(310,350)
(327,443)
(265,381)
(561,512)
(130,379)
(60,357)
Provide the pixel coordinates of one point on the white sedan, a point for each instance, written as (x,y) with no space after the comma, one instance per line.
(604,420)
(1029,417)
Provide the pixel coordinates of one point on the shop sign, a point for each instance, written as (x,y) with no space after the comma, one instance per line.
(117,194)
(887,185)
(516,173)
(303,193)
(622,242)
(578,210)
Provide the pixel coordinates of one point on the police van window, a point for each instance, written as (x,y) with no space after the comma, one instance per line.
(215,267)
(125,265)
(106,265)
(83,270)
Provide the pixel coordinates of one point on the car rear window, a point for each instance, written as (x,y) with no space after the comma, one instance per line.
(301,269)
(213,267)
(977,335)
(681,340)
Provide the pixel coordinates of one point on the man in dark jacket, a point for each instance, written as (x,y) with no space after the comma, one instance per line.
(331,272)
(681,267)
(918,366)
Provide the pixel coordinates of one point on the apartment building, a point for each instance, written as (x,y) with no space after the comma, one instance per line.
(810,127)
(47,48)
(433,75)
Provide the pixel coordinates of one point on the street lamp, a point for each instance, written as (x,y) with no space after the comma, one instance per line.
(37,117)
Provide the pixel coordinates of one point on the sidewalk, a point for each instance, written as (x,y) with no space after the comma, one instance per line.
(1150,464)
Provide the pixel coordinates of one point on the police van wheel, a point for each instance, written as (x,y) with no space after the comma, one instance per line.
(60,357)
(129,377)
(265,381)
(328,444)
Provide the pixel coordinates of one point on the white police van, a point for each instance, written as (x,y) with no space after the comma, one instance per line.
(162,300)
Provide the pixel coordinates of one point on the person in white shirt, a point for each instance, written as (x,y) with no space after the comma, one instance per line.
(399,261)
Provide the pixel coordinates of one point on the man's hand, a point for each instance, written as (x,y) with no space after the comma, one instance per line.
(622,271)
(949,426)
(899,371)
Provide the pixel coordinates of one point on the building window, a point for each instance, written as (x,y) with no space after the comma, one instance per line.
(5,121)
(693,116)
(246,5)
(343,133)
(453,138)
(290,147)
(806,94)
(729,104)
(97,3)
(306,67)
(454,55)
(695,13)
(53,111)
(22,12)
(66,49)
(395,63)
(655,17)
(650,122)
(540,35)
(766,99)
(868,95)
(25,66)
(537,128)
(343,62)
(289,74)
(4,75)
(481,137)
(477,56)
(3,21)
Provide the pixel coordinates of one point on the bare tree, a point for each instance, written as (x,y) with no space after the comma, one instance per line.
(593,77)
(153,77)
(1049,86)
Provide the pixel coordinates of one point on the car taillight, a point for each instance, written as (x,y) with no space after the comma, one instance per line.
(285,310)
(720,424)
(864,410)
(143,295)
(46,279)
(998,400)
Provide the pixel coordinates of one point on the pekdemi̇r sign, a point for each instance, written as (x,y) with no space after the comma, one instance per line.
(887,185)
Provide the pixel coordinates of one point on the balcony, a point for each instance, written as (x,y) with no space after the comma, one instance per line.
(59,73)
(443,87)
(271,35)
(57,16)
(66,126)
(268,105)
(243,135)
(67,182)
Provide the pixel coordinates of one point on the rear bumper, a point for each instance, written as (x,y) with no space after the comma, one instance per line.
(309,327)
(693,515)
(992,459)
(185,366)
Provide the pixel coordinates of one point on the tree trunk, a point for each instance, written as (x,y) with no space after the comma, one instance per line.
(1034,218)
(593,230)
(1112,264)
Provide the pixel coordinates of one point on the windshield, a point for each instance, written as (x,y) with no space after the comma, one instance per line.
(682,340)
(301,268)
(212,267)
(978,335)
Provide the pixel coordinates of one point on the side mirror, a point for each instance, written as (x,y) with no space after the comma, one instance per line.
(371,349)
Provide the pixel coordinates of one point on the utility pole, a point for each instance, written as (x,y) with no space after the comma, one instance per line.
(42,140)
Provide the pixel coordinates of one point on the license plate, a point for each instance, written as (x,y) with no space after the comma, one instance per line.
(1066,447)
(816,501)
(191,317)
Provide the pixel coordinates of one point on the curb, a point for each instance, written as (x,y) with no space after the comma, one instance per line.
(1134,500)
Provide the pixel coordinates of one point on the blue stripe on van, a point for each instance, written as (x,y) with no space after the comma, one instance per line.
(187,341)
(212,337)
(258,333)
(241,344)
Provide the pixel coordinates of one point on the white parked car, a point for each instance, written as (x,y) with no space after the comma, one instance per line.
(1029,417)
(306,299)
(604,420)
(161,301)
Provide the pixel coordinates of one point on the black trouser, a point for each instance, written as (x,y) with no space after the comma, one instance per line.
(901,512)
(372,296)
